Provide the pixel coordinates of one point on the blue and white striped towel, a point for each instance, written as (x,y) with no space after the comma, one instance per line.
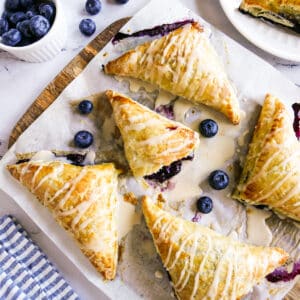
(25,271)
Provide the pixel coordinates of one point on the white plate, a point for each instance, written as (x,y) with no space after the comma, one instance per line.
(274,39)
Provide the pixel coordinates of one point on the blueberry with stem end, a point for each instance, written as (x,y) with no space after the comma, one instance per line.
(208,128)
(30,14)
(39,26)
(6,15)
(87,27)
(11,37)
(3,26)
(204,205)
(218,180)
(83,139)
(93,7)
(85,107)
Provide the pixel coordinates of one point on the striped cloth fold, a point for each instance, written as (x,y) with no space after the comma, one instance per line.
(25,271)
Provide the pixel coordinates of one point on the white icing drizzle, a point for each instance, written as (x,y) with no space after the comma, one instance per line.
(204,259)
(55,173)
(164,59)
(73,183)
(213,289)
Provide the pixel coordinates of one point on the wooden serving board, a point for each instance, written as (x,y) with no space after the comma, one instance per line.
(65,77)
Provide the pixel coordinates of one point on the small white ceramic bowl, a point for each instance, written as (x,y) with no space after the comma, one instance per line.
(48,46)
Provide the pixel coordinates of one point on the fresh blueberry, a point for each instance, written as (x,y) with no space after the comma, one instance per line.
(204,205)
(85,107)
(218,180)
(24,28)
(6,15)
(3,26)
(83,139)
(11,37)
(26,3)
(17,17)
(87,27)
(122,1)
(208,128)
(47,11)
(39,26)
(12,4)
(25,42)
(30,14)
(93,7)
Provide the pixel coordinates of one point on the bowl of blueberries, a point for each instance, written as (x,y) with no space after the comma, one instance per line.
(32,30)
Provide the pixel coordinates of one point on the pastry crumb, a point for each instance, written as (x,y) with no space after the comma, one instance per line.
(130,198)
(160,200)
(158,275)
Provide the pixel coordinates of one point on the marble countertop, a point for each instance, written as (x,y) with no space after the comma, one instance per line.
(21,83)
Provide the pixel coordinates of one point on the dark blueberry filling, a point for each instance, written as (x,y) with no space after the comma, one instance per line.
(20,161)
(189,157)
(166,173)
(296,124)
(166,111)
(157,30)
(170,171)
(76,158)
(261,206)
(281,274)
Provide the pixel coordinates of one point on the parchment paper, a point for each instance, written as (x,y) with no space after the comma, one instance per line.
(55,128)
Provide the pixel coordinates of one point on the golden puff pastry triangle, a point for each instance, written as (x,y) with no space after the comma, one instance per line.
(185,64)
(271,172)
(82,200)
(151,141)
(204,264)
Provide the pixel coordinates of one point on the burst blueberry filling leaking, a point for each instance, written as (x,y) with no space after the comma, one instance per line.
(281,274)
(168,172)
(166,111)
(76,159)
(162,30)
(296,124)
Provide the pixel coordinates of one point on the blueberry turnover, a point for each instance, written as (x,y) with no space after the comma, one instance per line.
(185,64)
(204,264)
(83,201)
(271,173)
(152,142)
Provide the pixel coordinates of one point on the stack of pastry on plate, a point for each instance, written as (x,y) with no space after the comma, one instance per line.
(202,263)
